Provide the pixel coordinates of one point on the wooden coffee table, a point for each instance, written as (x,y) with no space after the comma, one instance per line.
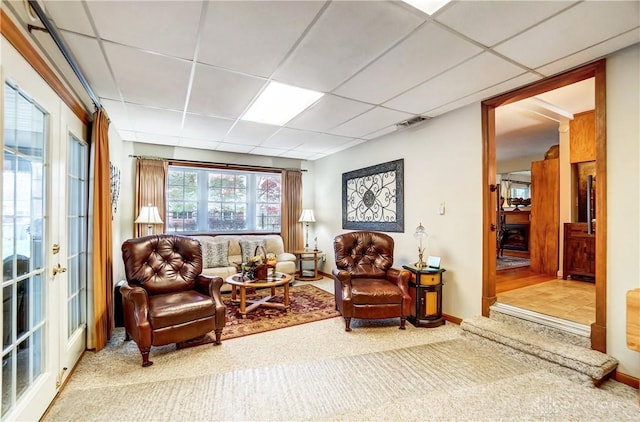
(238,283)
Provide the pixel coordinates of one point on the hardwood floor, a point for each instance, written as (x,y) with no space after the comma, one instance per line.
(566,299)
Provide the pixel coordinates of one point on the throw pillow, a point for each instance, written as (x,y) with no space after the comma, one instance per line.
(248,248)
(215,254)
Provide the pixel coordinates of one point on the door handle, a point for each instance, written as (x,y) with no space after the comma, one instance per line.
(58,269)
(493,227)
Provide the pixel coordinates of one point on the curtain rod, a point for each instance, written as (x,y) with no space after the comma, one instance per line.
(64,50)
(245,166)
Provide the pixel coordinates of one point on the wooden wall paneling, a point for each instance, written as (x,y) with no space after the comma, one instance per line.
(582,137)
(545,216)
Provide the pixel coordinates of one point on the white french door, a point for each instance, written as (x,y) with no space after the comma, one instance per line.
(44,246)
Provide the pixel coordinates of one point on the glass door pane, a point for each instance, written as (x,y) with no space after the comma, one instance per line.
(23,281)
(77,188)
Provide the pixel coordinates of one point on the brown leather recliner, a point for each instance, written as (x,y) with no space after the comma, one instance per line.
(365,284)
(165,298)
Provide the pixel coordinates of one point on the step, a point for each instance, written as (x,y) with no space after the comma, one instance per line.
(591,363)
(557,328)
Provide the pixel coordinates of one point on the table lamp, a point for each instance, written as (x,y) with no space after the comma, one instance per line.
(307,217)
(149,215)
(420,235)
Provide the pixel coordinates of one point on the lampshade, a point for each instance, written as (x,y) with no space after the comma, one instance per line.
(149,215)
(307,216)
(420,233)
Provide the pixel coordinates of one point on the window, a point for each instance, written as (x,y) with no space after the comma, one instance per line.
(216,200)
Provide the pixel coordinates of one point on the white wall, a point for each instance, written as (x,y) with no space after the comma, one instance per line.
(623,201)
(442,164)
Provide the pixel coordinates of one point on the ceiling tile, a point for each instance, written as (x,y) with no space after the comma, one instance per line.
(592,53)
(328,112)
(409,64)
(205,127)
(300,155)
(89,57)
(167,27)
(294,139)
(323,59)
(118,114)
(483,70)
(127,135)
(490,22)
(484,94)
(253,37)
(166,88)
(250,133)
(381,132)
(580,27)
(198,143)
(154,138)
(221,93)
(274,152)
(66,15)
(155,120)
(371,121)
(244,149)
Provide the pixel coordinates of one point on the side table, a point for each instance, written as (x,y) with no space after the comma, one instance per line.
(307,274)
(425,288)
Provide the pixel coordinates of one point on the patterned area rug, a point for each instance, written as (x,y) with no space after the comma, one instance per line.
(308,303)
(509,262)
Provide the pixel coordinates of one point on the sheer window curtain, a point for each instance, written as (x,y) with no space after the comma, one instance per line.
(151,183)
(100,324)
(291,230)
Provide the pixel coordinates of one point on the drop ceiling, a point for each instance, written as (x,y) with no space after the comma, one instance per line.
(183,73)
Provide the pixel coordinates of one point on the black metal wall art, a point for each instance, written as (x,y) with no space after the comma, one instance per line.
(372,198)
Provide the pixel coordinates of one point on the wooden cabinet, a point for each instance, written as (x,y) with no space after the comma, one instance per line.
(545,216)
(579,251)
(425,288)
(582,137)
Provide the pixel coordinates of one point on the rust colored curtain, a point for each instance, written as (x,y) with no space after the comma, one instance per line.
(151,183)
(102,241)
(291,231)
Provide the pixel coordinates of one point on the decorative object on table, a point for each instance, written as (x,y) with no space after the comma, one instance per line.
(421,236)
(433,262)
(149,215)
(307,217)
(372,198)
(256,266)
(426,296)
(315,243)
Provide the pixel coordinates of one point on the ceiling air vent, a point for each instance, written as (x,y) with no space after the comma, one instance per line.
(411,122)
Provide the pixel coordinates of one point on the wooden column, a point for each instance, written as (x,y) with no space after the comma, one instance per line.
(545,216)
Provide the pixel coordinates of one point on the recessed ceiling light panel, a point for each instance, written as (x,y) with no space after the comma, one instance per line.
(428,6)
(279,103)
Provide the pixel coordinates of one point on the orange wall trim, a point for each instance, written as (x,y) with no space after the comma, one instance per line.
(626,379)
(13,34)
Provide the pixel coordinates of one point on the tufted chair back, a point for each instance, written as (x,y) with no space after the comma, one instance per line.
(162,263)
(364,254)
(366,285)
(165,299)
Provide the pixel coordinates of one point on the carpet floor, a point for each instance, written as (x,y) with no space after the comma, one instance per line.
(317,371)
(509,262)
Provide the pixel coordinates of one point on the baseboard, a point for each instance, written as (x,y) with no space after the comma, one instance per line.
(629,380)
(452,318)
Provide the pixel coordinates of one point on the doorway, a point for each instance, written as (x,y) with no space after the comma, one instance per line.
(594,70)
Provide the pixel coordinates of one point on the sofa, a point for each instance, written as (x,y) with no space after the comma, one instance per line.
(223,254)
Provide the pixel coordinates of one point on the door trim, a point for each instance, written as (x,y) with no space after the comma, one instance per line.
(596,70)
